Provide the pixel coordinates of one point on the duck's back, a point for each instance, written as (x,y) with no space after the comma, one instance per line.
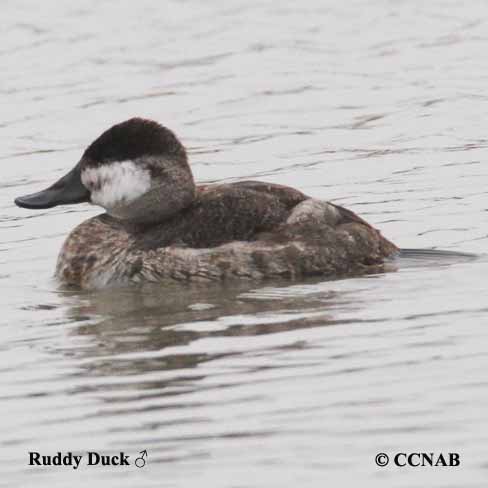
(224,213)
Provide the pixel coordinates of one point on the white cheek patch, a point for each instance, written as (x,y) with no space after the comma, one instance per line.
(117,183)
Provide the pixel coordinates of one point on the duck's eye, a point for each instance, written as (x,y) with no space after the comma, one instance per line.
(90,180)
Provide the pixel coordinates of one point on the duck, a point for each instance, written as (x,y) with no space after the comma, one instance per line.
(160,226)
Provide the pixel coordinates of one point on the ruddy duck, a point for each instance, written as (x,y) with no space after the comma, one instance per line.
(159,226)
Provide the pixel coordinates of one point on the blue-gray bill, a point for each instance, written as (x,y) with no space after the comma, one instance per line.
(68,189)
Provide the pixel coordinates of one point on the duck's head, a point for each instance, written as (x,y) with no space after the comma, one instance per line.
(137,171)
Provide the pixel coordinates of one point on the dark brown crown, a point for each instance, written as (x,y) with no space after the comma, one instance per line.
(132,139)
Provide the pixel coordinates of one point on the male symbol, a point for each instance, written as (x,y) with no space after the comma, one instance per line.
(140,462)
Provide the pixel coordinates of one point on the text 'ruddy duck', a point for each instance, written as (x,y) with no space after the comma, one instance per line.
(91,458)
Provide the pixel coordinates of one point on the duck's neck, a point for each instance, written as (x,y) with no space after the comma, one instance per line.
(171,192)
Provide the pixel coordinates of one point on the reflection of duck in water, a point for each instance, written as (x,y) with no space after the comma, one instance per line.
(159,226)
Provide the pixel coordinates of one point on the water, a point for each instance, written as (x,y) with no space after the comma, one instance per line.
(379,106)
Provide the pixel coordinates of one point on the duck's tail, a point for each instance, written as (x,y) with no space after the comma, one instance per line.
(436,256)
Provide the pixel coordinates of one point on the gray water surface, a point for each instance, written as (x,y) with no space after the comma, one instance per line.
(380,106)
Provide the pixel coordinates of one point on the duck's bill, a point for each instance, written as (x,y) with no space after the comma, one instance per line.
(68,189)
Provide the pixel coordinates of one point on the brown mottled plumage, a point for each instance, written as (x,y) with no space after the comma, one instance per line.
(248,229)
